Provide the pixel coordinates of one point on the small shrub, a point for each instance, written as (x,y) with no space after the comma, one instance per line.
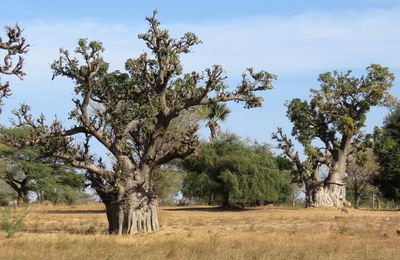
(95,228)
(343,230)
(215,240)
(12,224)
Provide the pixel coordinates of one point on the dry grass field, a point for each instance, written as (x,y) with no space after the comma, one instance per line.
(79,232)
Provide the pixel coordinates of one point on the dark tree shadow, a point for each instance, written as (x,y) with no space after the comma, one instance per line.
(75,211)
(209,209)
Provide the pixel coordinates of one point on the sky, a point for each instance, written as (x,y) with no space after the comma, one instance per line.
(296,40)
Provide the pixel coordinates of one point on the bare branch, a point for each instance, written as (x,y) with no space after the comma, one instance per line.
(15,45)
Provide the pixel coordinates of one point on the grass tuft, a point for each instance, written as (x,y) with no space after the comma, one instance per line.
(12,224)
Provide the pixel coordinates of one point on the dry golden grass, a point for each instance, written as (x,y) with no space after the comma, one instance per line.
(78,232)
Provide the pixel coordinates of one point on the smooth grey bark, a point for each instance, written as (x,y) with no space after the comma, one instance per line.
(333,191)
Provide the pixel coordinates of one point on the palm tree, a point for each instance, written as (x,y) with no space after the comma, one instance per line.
(215,113)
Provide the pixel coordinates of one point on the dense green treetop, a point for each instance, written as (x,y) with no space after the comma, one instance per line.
(387,148)
(337,111)
(28,169)
(236,172)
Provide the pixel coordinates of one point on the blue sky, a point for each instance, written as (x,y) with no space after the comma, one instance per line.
(296,40)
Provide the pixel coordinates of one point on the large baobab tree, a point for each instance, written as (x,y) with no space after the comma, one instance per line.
(137,117)
(15,44)
(334,116)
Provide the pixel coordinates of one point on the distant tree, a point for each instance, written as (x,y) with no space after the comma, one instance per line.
(334,116)
(214,113)
(286,165)
(7,195)
(136,116)
(15,44)
(305,172)
(168,184)
(27,169)
(361,170)
(387,148)
(236,173)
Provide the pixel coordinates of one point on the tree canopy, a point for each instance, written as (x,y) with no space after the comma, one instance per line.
(387,149)
(137,116)
(235,172)
(28,169)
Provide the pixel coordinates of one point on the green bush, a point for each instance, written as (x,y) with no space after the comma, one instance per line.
(12,224)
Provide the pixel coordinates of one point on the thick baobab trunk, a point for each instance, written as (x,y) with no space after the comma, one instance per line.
(132,214)
(333,191)
(131,206)
(332,194)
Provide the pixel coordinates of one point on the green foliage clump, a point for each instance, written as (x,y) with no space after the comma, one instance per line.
(7,194)
(168,183)
(28,169)
(387,148)
(12,224)
(235,172)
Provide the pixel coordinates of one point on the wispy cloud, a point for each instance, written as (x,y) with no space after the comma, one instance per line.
(290,46)
(302,43)
(284,45)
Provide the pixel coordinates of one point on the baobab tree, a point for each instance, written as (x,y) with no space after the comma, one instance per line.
(334,116)
(136,116)
(305,172)
(15,44)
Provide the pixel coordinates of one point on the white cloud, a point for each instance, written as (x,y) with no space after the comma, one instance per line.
(307,42)
(291,47)
(284,45)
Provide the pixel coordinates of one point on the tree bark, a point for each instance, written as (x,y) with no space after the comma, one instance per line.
(357,201)
(309,195)
(332,195)
(131,206)
(333,192)
(312,185)
(129,216)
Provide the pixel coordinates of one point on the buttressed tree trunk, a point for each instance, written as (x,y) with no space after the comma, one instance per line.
(131,205)
(144,118)
(131,213)
(333,192)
